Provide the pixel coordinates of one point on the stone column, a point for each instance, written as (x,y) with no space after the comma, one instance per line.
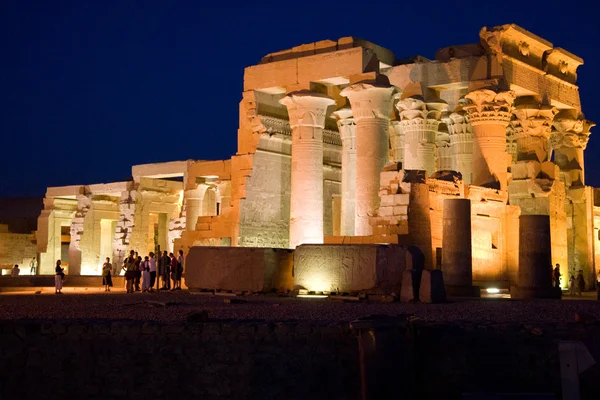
(457,259)
(307,112)
(420,121)
(397,143)
(347,129)
(489,114)
(569,139)
(372,107)
(531,130)
(535,263)
(193,209)
(461,143)
(443,152)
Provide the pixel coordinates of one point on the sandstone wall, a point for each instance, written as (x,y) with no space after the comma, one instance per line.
(17,248)
(350,268)
(239,269)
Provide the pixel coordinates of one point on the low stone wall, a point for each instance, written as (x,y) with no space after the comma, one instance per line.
(17,248)
(350,268)
(292,360)
(33,281)
(239,269)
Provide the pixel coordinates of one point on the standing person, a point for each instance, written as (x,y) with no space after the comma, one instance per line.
(556,276)
(174,269)
(145,268)
(32,266)
(166,263)
(572,285)
(106,275)
(130,273)
(179,269)
(152,264)
(598,285)
(138,271)
(580,282)
(58,278)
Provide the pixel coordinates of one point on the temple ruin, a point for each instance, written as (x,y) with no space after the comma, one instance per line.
(342,143)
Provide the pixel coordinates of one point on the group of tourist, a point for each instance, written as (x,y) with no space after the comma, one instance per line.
(138,270)
(144,270)
(576,281)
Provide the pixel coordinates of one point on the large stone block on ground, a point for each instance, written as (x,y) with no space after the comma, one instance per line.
(411,280)
(239,269)
(350,268)
(432,287)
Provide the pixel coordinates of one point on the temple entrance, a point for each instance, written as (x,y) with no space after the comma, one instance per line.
(158,231)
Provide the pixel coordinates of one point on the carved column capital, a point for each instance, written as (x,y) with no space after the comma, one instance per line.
(370,100)
(488,107)
(306,108)
(571,132)
(345,122)
(417,114)
(533,120)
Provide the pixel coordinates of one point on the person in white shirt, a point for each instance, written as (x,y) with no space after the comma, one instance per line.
(145,268)
(152,268)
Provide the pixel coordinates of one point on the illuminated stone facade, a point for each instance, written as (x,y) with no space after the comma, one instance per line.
(340,142)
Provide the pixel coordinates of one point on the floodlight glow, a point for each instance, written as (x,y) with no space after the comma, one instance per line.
(493,290)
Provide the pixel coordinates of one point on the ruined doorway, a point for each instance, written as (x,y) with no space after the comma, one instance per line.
(159,232)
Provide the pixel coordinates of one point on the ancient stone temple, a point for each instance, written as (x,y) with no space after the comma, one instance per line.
(343,143)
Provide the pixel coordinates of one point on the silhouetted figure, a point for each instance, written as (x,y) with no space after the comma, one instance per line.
(58,278)
(15,271)
(165,269)
(556,276)
(33,266)
(580,282)
(572,285)
(106,275)
(152,268)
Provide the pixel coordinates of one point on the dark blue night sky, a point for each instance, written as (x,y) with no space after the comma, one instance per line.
(89,88)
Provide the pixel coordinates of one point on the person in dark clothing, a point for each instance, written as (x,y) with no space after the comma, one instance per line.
(165,270)
(138,272)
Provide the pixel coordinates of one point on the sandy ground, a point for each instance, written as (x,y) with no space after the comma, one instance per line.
(176,306)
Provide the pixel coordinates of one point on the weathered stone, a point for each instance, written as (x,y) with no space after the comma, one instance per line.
(431,289)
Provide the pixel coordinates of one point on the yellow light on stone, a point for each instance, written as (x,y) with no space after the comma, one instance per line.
(493,290)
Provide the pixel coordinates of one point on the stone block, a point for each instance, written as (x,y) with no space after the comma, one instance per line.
(525,170)
(350,268)
(401,199)
(431,288)
(239,268)
(400,210)
(411,280)
(387,200)
(386,211)
(550,170)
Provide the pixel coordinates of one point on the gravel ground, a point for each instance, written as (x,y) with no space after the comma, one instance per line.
(117,306)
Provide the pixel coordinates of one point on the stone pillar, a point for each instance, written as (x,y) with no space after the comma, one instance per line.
(461,143)
(347,129)
(489,114)
(193,209)
(535,262)
(443,152)
(569,139)
(420,121)
(531,129)
(397,143)
(372,107)
(307,112)
(457,258)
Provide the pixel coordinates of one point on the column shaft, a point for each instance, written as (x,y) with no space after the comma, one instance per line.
(347,129)
(371,156)
(535,262)
(307,112)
